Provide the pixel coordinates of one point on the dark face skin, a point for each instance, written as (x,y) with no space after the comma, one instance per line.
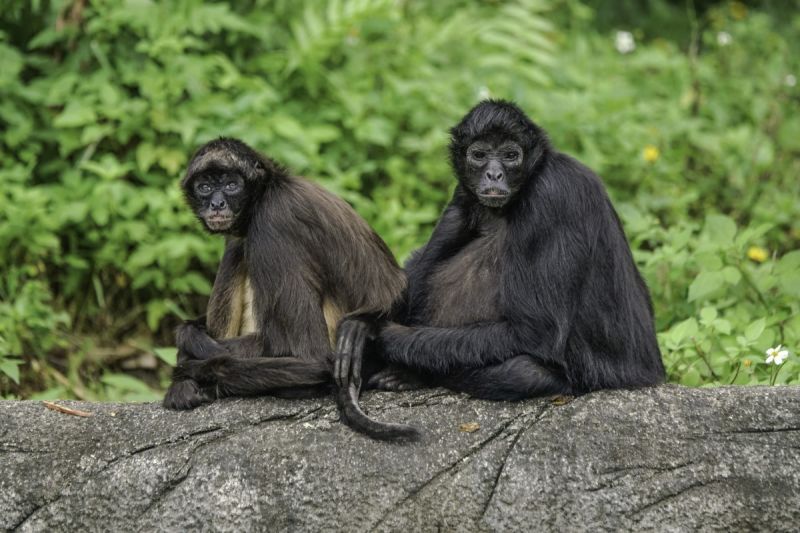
(494,171)
(218,198)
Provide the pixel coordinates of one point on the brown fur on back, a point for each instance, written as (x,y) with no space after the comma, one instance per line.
(360,274)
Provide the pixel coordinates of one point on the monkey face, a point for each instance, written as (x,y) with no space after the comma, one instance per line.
(217,198)
(495,150)
(494,170)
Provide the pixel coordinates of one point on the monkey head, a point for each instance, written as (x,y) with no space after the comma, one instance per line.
(495,150)
(224,180)
(217,198)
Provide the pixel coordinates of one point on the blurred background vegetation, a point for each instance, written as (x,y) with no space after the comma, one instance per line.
(687,109)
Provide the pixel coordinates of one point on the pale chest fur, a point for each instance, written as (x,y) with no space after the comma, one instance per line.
(243,318)
(464,289)
(242,310)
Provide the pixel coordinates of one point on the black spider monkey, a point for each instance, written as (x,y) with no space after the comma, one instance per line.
(297,262)
(527,286)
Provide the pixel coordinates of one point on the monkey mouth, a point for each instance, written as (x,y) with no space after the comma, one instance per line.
(218,222)
(493,197)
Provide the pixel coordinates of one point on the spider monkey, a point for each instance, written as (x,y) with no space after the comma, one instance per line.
(300,272)
(527,286)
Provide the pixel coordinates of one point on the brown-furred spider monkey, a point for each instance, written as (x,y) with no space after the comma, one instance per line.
(298,261)
(527,286)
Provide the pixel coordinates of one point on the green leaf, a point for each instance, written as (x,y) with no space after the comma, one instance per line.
(156,310)
(708,260)
(731,275)
(10,367)
(720,229)
(145,156)
(287,127)
(790,283)
(691,378)
(684,330)
(75,114)
(705,284)
(124,382)
(708,314)
(723,326)
(789,263)
(168,355)
(755,329)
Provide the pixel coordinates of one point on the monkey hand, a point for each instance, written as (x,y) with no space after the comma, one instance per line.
(193,342)
(351,338)
(199,323)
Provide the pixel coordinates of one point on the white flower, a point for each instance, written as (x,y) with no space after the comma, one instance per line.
(724,38)
(776,355)
(624,43)
(790,80)
(484,93)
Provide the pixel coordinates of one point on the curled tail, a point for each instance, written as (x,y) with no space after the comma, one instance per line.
(353,416)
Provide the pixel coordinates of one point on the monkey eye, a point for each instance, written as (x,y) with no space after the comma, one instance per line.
(204,187)
(511,156)
(231,186)
(479,155)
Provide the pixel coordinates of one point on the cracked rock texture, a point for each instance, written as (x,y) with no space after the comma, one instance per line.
(667,459)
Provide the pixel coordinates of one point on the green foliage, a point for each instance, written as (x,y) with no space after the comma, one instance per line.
(102,103)
(736,307)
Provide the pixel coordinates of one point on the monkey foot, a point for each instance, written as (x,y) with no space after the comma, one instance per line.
(185,394)
(394,379)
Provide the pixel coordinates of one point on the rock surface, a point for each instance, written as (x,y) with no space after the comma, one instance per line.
(667,459)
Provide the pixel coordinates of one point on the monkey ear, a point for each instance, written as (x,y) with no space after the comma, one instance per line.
(259,171)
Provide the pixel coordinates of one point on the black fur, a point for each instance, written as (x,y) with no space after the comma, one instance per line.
(537,296)
(297,260)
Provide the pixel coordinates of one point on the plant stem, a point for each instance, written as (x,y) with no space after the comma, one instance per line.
(749,280)
(736,374)
(775,374)
(703,356)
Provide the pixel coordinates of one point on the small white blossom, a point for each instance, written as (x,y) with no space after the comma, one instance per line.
(790,80)
(724,38)
(777,355)
(624,43)
(484,93)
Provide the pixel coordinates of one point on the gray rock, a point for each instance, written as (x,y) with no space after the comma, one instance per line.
(666,459)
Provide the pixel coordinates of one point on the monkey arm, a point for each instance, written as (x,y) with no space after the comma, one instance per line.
(440,350)
(194,343)
(244,347)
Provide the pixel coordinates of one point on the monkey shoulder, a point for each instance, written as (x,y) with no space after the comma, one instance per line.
(570,175)
(568,190)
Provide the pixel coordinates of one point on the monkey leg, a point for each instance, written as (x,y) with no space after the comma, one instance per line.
(232,376)
(515,379)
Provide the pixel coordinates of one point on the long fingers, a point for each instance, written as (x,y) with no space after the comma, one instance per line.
(359,341)
(350,343)
(341,365)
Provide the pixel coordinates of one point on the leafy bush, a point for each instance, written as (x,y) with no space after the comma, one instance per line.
(102,104)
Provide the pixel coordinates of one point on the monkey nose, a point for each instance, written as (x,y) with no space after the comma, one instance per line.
(494,176)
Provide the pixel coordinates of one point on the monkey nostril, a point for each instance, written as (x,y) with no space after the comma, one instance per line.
(494,176)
